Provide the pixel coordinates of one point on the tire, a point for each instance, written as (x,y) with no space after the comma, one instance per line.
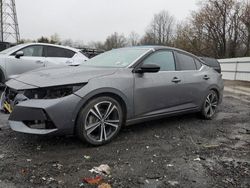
(2,80)
(209,107)
(100,121)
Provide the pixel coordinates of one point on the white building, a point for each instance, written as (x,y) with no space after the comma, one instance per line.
(236,68)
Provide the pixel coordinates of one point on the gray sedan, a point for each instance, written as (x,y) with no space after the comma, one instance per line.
(120,87)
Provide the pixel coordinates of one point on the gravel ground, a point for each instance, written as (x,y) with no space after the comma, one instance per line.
(182,151)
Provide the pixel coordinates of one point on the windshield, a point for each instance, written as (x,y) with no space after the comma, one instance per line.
(11,49)
(116,58)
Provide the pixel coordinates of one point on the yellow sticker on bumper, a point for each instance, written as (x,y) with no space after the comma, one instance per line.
(7,107)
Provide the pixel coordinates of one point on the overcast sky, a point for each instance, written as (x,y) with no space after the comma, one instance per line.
(93,20)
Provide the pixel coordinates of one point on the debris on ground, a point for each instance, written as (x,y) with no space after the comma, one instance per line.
(104,185)
(92,181)
(169,165)
(50,180)
(24,171)
(58,166)
(197,159)
(173,183)
(1,156)
(102,169)
(86,157)
(157,136)
(28,160)
(38,148)
(211,146)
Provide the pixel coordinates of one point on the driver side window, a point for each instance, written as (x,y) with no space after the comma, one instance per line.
(33,51)
(164,59)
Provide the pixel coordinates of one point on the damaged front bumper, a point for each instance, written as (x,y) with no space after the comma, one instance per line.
(41,116)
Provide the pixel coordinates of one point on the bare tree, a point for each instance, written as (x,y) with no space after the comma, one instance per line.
(133,39)
(214,30)
(115,41)
(147,39)
(161,28)
(245,18)
(68,42)
(55,39)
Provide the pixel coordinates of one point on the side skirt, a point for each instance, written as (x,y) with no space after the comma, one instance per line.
(160,116)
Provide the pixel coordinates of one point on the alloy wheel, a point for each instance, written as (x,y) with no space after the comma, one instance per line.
(102,121)
(211,104)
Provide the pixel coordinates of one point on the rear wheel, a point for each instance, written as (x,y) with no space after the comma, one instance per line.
(100,121)
(210,105)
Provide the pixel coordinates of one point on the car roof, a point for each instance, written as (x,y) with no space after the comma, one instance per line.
(157,47)
(53,45)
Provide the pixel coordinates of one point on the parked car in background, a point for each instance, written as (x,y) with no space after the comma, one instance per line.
(120,87)
(25,57)
(90,52)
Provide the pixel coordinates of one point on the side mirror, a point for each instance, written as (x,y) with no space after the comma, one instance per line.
(19,54)
(148,68)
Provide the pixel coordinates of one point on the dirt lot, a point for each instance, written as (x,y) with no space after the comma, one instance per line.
(183,151)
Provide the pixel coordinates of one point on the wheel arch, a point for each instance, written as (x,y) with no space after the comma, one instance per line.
(116,94)
(216,90)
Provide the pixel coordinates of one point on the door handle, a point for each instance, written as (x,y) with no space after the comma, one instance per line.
(176,80)
(206,77)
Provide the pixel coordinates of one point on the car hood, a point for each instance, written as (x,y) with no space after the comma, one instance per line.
(57,76)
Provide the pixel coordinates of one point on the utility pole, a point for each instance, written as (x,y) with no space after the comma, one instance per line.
(9,30)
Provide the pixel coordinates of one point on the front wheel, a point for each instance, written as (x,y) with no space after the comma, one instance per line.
(100,121)
(210,105)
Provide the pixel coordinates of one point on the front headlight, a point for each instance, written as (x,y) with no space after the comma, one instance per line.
(53,92)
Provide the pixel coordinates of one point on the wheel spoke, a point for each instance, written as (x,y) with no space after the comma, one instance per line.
(92,127)
(104,133)
(111,124)
(98,111)
(109,112)
(214,104)
(101,134)
(112,121)
(93,112)
(207,109)
(212,98)
(208,100)
(211,111)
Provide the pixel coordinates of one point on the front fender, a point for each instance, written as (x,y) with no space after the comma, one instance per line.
(101,91)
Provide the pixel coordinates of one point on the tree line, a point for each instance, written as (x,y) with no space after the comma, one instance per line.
(218,28)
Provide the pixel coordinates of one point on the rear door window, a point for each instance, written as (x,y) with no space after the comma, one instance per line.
(185,62)
(59,52)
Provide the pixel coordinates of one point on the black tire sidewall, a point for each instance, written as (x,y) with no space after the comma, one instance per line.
(80,127)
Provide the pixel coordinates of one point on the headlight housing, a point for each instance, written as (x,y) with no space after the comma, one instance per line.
(53,92)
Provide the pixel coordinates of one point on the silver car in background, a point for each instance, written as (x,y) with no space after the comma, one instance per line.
(120,87)
(25,57)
